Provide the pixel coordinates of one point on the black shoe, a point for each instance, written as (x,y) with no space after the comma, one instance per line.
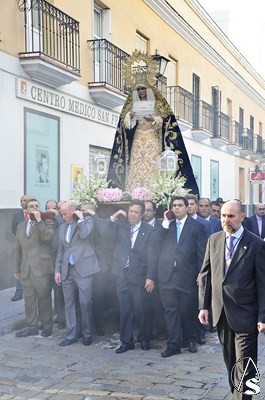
(61,325)
(170,352)
(17,297)
(80,335)
(27,332)
(67,342)
(145,345)
(87,341)
(46,332)
(124,347)
(193,347)
(201,339)
(100,332)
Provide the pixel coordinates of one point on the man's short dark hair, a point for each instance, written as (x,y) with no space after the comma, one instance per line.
(215,203)
(27,203)
(179,198)
(191,196)
(137,202)
(153,204)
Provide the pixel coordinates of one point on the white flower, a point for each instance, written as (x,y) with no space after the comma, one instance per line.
(86,190)
(165,186)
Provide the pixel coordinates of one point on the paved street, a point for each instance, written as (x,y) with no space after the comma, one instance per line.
(37,368)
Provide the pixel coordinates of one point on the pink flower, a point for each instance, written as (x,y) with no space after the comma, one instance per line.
(141,193)
(109,194)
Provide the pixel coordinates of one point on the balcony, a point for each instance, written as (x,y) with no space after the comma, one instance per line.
(52,47)
(108,86)
(181,102)
(247,148)
(221,134)
(236,139)
(203,121)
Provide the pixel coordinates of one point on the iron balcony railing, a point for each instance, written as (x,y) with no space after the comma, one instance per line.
(181,102)
(238,133)
(206,117)
(222,126)
(51,33)
(108,60)
(248,140)
(259,145)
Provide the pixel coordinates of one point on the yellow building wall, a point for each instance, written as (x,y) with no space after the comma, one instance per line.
(130,16)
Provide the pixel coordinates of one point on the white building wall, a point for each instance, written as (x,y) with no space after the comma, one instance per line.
(76,133)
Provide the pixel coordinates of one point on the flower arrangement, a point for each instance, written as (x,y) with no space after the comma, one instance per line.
(109,194)
(86,190)
(164,186)
(141,193)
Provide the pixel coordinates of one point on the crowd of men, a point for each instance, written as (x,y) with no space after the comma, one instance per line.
(159,264)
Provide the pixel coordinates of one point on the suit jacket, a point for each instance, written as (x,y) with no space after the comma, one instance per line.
(253,226)
(241,292)
(185,257)
(143,255)
(85,260)
(34,252)
(216,225)
(17,219)
(206,224)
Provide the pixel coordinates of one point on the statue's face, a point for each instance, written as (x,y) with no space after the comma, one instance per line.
(142,93)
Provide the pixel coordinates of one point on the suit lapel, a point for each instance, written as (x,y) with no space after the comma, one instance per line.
(241,250)
(185,231)
(140,235)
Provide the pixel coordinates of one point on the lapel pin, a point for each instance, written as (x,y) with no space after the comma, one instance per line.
(245,247)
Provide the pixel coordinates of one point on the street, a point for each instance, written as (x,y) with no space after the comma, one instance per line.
(37,368)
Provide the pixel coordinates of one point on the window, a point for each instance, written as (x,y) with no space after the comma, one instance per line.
(214,179)
(251,123)
(196,163)
(260,128)
(42,155)
(141,43)
(196,99)
(93,151)
(172,72)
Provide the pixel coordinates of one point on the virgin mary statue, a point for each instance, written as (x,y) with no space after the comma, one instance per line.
(147,126)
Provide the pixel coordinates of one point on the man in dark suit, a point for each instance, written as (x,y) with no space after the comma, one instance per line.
(158,318)
(233,279)
(135,269)
(204,210)
(181,255)
(75,266)
(19,217)
(192,212)
(256,223)
(34,266)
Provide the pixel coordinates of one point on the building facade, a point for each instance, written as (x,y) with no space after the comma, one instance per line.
(61,91)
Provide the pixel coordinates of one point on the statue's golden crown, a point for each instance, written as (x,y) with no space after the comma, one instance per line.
(139,68)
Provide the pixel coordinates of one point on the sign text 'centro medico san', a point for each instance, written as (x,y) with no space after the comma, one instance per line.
(65,103)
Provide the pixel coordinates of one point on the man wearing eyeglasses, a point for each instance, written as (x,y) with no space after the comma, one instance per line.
(257,221)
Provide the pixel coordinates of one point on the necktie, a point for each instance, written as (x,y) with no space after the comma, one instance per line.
(126,265)
(26,217)
(230,251)
(68,238)
(259,220)
(178,230)
(29,227)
